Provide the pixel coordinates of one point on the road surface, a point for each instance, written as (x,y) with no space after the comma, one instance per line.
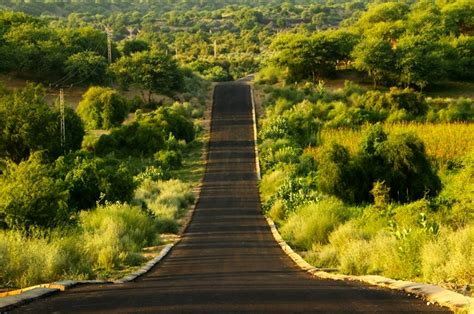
(228,261)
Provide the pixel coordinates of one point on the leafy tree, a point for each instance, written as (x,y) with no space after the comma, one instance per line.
(307,57)
(343,42)
(381,13)
(459,17)
(464,46)
(30,195)
(85,38)
(28,124)
(90,179)
(150,70)
(397,160)
(86,67)
(376,57)
(134,45)
(102,108)
(148,134)
(420,60)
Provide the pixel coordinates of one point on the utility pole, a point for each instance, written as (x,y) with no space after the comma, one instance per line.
(215,48)
(110,33)
(130,31)
(63,119)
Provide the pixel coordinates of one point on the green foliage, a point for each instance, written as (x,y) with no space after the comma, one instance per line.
(90,180)
(30,196)
(421,61)
(28,124)
(450,257)
(37,259)
(455,202)
(311,56)
(375,56)
(115,233)
(312,223)
(398,160)
(102,108)
(338,175)
(166,201)
(148,134)
(134,45)
(86,67)
(153,71)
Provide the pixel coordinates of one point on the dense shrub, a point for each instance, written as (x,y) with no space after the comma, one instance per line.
(166,200)
(115,233)
(86,68)
(398,160)
(102,108)
(31,260)
(28,124)
(337,175)
(455,202)
(149,133)
(450,257)
(31,196)
(313,223)
(90,179)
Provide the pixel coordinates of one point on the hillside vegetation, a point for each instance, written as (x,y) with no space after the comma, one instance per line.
(365,134)
(374,179)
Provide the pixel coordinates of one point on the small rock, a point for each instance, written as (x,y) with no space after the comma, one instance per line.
(466,290)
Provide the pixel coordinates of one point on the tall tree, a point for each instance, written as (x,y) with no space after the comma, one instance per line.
(375,56)
(153,71)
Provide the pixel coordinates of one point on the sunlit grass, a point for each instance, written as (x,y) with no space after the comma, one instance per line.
(444,142)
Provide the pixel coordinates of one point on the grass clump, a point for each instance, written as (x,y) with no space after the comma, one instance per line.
(115,233)
(450,257)
(165,200)
(30,260)
(312,223)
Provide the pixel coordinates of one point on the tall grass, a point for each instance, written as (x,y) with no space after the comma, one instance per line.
(444,142)
(114,234)
(108,237)
(165,200)
(450,257)
(27,261)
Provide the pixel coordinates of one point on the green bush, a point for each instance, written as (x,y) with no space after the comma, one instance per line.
(450,258)
(399,161)
(39,259)
(28,124)
(168,159)
(152,132)
(90,179)
(102,108)
(114,234)
(455,202)
(31,196)
(340,175)
(166,200)
(270,183)
(313,223)
(87,67)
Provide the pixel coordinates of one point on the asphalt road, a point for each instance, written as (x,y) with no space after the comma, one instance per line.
(227,261)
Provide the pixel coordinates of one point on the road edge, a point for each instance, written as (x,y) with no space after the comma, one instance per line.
(29,294)
(433,294)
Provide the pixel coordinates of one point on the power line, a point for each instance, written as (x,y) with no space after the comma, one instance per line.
(63,119)
(110,33)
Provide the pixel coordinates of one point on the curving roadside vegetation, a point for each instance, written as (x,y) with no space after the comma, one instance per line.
(102,210)
(392,198)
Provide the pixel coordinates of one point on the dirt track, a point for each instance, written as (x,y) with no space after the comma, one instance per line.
(228,260)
